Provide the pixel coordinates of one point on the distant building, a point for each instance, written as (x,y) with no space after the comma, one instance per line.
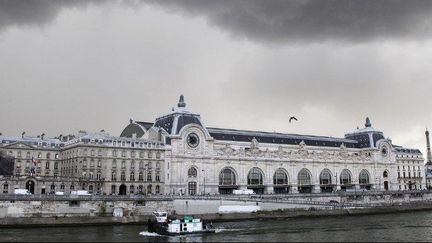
(178,154)
(202,159)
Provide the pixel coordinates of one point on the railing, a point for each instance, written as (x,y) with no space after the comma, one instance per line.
(274,198)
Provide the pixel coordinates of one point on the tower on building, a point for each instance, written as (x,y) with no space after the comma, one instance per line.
(428,147)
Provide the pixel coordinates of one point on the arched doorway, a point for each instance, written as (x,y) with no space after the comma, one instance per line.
(122,189)
(345,180)
(30,185)
(255,180)
(304,181)
(280,181)
(364,180)
(326,181)
(227,181)
(386,175)
(192,188)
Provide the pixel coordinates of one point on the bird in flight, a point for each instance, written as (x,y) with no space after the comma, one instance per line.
(292,118)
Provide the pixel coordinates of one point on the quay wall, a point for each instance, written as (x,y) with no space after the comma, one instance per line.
(19,211)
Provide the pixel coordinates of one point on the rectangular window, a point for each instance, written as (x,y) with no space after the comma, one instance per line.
(149,176)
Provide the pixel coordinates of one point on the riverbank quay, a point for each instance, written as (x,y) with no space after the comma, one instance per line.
(53,210)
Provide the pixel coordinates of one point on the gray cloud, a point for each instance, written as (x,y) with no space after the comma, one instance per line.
(34,12)
(276,21)
(280,21)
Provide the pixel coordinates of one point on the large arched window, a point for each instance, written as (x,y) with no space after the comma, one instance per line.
(192,172)
(227,177)
(325,177)
(255,177)
(364,177)
(280,177)
(345,177)
(304,177)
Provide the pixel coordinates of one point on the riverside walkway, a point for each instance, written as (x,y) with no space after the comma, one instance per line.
(337,199)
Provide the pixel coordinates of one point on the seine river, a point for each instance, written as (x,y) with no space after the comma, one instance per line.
(413,226)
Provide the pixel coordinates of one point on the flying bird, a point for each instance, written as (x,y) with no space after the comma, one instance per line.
(292,118)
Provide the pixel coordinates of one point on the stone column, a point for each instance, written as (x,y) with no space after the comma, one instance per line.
(269,189)
(294,188)
(316,188)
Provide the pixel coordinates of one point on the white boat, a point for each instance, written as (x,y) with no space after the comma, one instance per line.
(187,225)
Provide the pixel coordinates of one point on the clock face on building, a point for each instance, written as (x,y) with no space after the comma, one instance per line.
(192,140)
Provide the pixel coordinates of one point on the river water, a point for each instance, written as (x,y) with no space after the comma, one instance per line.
(412,226)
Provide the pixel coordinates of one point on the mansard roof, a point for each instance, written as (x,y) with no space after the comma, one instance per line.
(178,118)
(407,150)
(31,141)
(279,138)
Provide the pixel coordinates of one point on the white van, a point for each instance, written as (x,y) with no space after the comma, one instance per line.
(22,192)
(59,193)
(80,193)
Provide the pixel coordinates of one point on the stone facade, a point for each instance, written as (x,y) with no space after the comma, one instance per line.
(178,154)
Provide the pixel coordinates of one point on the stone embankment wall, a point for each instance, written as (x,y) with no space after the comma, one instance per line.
(23,211)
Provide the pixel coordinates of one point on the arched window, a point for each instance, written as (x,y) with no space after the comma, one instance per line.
(192,172)
(255,177)
(131,189)
(304,177)
(345,177)
(325,177)
(227,177)
(364,177)
(385,174)
(280,177)
(149,189)
(157,189)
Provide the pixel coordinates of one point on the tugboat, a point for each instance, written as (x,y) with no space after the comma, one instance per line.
(187,225)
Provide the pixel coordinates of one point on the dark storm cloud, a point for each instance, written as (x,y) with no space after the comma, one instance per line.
(274,21)
(34,12)
(279,21)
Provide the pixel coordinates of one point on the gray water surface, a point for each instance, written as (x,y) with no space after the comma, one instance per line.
(412,226)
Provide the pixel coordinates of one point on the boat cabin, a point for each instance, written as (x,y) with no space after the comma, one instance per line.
(187,224)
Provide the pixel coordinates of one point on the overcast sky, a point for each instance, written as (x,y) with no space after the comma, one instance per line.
(67,66)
